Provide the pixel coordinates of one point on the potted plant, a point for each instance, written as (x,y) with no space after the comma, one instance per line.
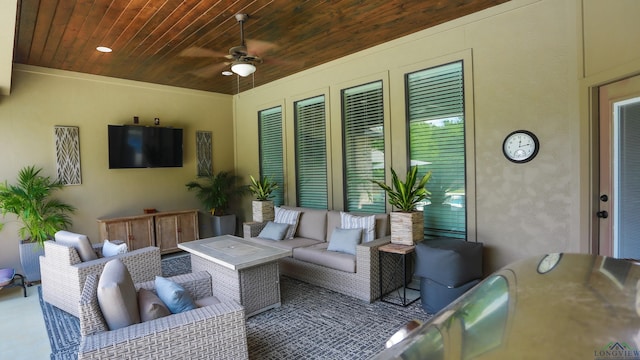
(41,216)
(215,191)
(262,207)
(407,224)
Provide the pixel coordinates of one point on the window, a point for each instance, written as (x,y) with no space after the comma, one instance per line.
(363,132)
(435,114)
(311,152)
(271,155)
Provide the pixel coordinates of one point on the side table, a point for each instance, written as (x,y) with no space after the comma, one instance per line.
(404,294)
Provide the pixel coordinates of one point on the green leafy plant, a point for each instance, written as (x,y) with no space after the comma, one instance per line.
(215,191)
(30,200)
(406,195)
(263,188)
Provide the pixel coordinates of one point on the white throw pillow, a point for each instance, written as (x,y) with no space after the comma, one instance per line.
(286,216)
(112,249)
(366,223)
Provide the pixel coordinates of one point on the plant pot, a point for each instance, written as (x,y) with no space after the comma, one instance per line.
(407,228)
(30,253)
(262,210)
(223,225)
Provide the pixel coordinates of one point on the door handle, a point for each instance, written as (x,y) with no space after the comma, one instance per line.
(602,214)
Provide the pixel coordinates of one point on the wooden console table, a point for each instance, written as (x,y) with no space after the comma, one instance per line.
(162,229)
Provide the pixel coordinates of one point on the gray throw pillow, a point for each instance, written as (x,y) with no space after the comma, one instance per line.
(117,296)
(274,231)
(345,240)
(77,241)
(151,307)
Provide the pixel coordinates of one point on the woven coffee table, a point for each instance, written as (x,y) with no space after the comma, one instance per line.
(241,270)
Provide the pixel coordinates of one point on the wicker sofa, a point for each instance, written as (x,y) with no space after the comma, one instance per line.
(216,331)
(64,274)
(358,276)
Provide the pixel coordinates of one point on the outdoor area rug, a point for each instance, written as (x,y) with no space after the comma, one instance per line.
(312,323)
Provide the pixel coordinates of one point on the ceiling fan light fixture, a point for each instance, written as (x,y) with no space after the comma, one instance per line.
(243,69)
(104,49)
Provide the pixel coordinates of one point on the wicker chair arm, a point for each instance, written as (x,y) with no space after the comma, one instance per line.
(376,243)
(216,331)
(143,264)
(60,254)
(91,319)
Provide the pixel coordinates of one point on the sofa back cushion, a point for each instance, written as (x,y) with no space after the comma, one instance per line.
(312,223)
(117,296)
(77,241)
(383,226)
(382,223)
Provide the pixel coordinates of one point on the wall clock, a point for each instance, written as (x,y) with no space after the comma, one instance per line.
(520,146)
(548,262)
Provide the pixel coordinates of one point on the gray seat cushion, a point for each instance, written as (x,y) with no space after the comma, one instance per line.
(287,244)
(318,254)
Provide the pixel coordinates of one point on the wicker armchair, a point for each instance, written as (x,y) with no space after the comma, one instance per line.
(216,331)
(64,274)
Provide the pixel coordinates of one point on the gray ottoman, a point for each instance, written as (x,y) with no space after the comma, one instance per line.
(447,269)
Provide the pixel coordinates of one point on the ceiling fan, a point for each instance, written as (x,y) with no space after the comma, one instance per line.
(243,63)
(241,60)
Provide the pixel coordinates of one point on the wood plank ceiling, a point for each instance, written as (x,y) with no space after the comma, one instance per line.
(183,42)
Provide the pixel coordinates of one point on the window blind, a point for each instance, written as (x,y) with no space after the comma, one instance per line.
(271,153)
(435,113)
(363,139)
(311,152)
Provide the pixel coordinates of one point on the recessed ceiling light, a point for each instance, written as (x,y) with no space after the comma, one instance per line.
(104,49)
(227,73)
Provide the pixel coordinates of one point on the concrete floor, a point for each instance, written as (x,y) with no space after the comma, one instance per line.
(22,331)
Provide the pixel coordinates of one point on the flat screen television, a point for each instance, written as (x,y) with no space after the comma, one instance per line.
(132,146)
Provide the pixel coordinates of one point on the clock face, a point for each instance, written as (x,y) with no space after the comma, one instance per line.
(520,146)
(548,262)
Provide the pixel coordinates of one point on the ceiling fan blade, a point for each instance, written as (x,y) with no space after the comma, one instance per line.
(259,47)
(195,51)
(210,70)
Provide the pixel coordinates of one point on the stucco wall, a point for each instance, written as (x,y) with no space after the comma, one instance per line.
(528,71)
(42,98)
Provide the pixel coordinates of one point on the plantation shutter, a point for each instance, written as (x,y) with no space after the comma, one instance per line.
(271,153)
(311,153)
(363,121)
(435,108)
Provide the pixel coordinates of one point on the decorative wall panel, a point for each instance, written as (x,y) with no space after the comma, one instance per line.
(68,154)
(204,149)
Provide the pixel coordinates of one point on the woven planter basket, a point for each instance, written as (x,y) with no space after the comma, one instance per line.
(262,211)
(407,228)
